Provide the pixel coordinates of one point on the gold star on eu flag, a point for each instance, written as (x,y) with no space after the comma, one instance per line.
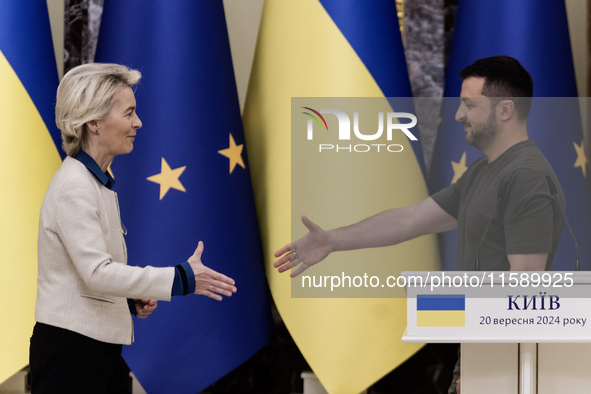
(581,158)
(168,178)
(459,168)
(234,153)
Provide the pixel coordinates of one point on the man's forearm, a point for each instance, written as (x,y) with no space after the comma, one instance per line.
(392,227)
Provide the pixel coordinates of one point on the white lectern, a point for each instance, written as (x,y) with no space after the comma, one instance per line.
(520,331)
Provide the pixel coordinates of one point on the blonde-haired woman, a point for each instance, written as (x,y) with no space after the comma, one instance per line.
(86,292)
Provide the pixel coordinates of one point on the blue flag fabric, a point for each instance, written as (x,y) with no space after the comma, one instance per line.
(536,34)
(187,180)
(27,27)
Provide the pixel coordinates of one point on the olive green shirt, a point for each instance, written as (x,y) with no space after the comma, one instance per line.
(513,194)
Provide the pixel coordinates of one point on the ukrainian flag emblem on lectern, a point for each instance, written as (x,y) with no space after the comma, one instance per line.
(441,310)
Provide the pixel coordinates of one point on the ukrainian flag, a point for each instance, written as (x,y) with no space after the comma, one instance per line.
(30,158)
(333,48)
(441,310)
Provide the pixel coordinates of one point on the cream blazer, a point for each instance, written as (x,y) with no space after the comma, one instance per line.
(84,281)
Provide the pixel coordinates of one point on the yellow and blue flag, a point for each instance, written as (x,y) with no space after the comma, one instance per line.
(330,48)
(536,34)
(27,132)
(186,180)
(441,310)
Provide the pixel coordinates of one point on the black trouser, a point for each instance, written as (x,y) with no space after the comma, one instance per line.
(64,361)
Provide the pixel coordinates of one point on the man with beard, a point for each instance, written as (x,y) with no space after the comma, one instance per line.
(502,205)
(505,194)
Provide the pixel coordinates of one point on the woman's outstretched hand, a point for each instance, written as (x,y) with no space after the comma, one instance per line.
(207,281)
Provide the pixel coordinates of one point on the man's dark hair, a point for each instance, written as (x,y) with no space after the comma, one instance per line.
(504,78)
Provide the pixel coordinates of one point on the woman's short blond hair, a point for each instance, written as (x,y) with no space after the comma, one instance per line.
(87,93)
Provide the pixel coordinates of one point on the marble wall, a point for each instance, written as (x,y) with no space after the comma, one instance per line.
(82,19)
(425,47)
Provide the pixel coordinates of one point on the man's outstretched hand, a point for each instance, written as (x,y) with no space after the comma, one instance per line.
(306,251)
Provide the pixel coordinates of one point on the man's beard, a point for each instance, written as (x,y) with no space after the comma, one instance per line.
(483,134)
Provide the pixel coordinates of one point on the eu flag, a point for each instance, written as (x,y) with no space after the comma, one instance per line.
(536,34)
(29,79)
(187,180)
